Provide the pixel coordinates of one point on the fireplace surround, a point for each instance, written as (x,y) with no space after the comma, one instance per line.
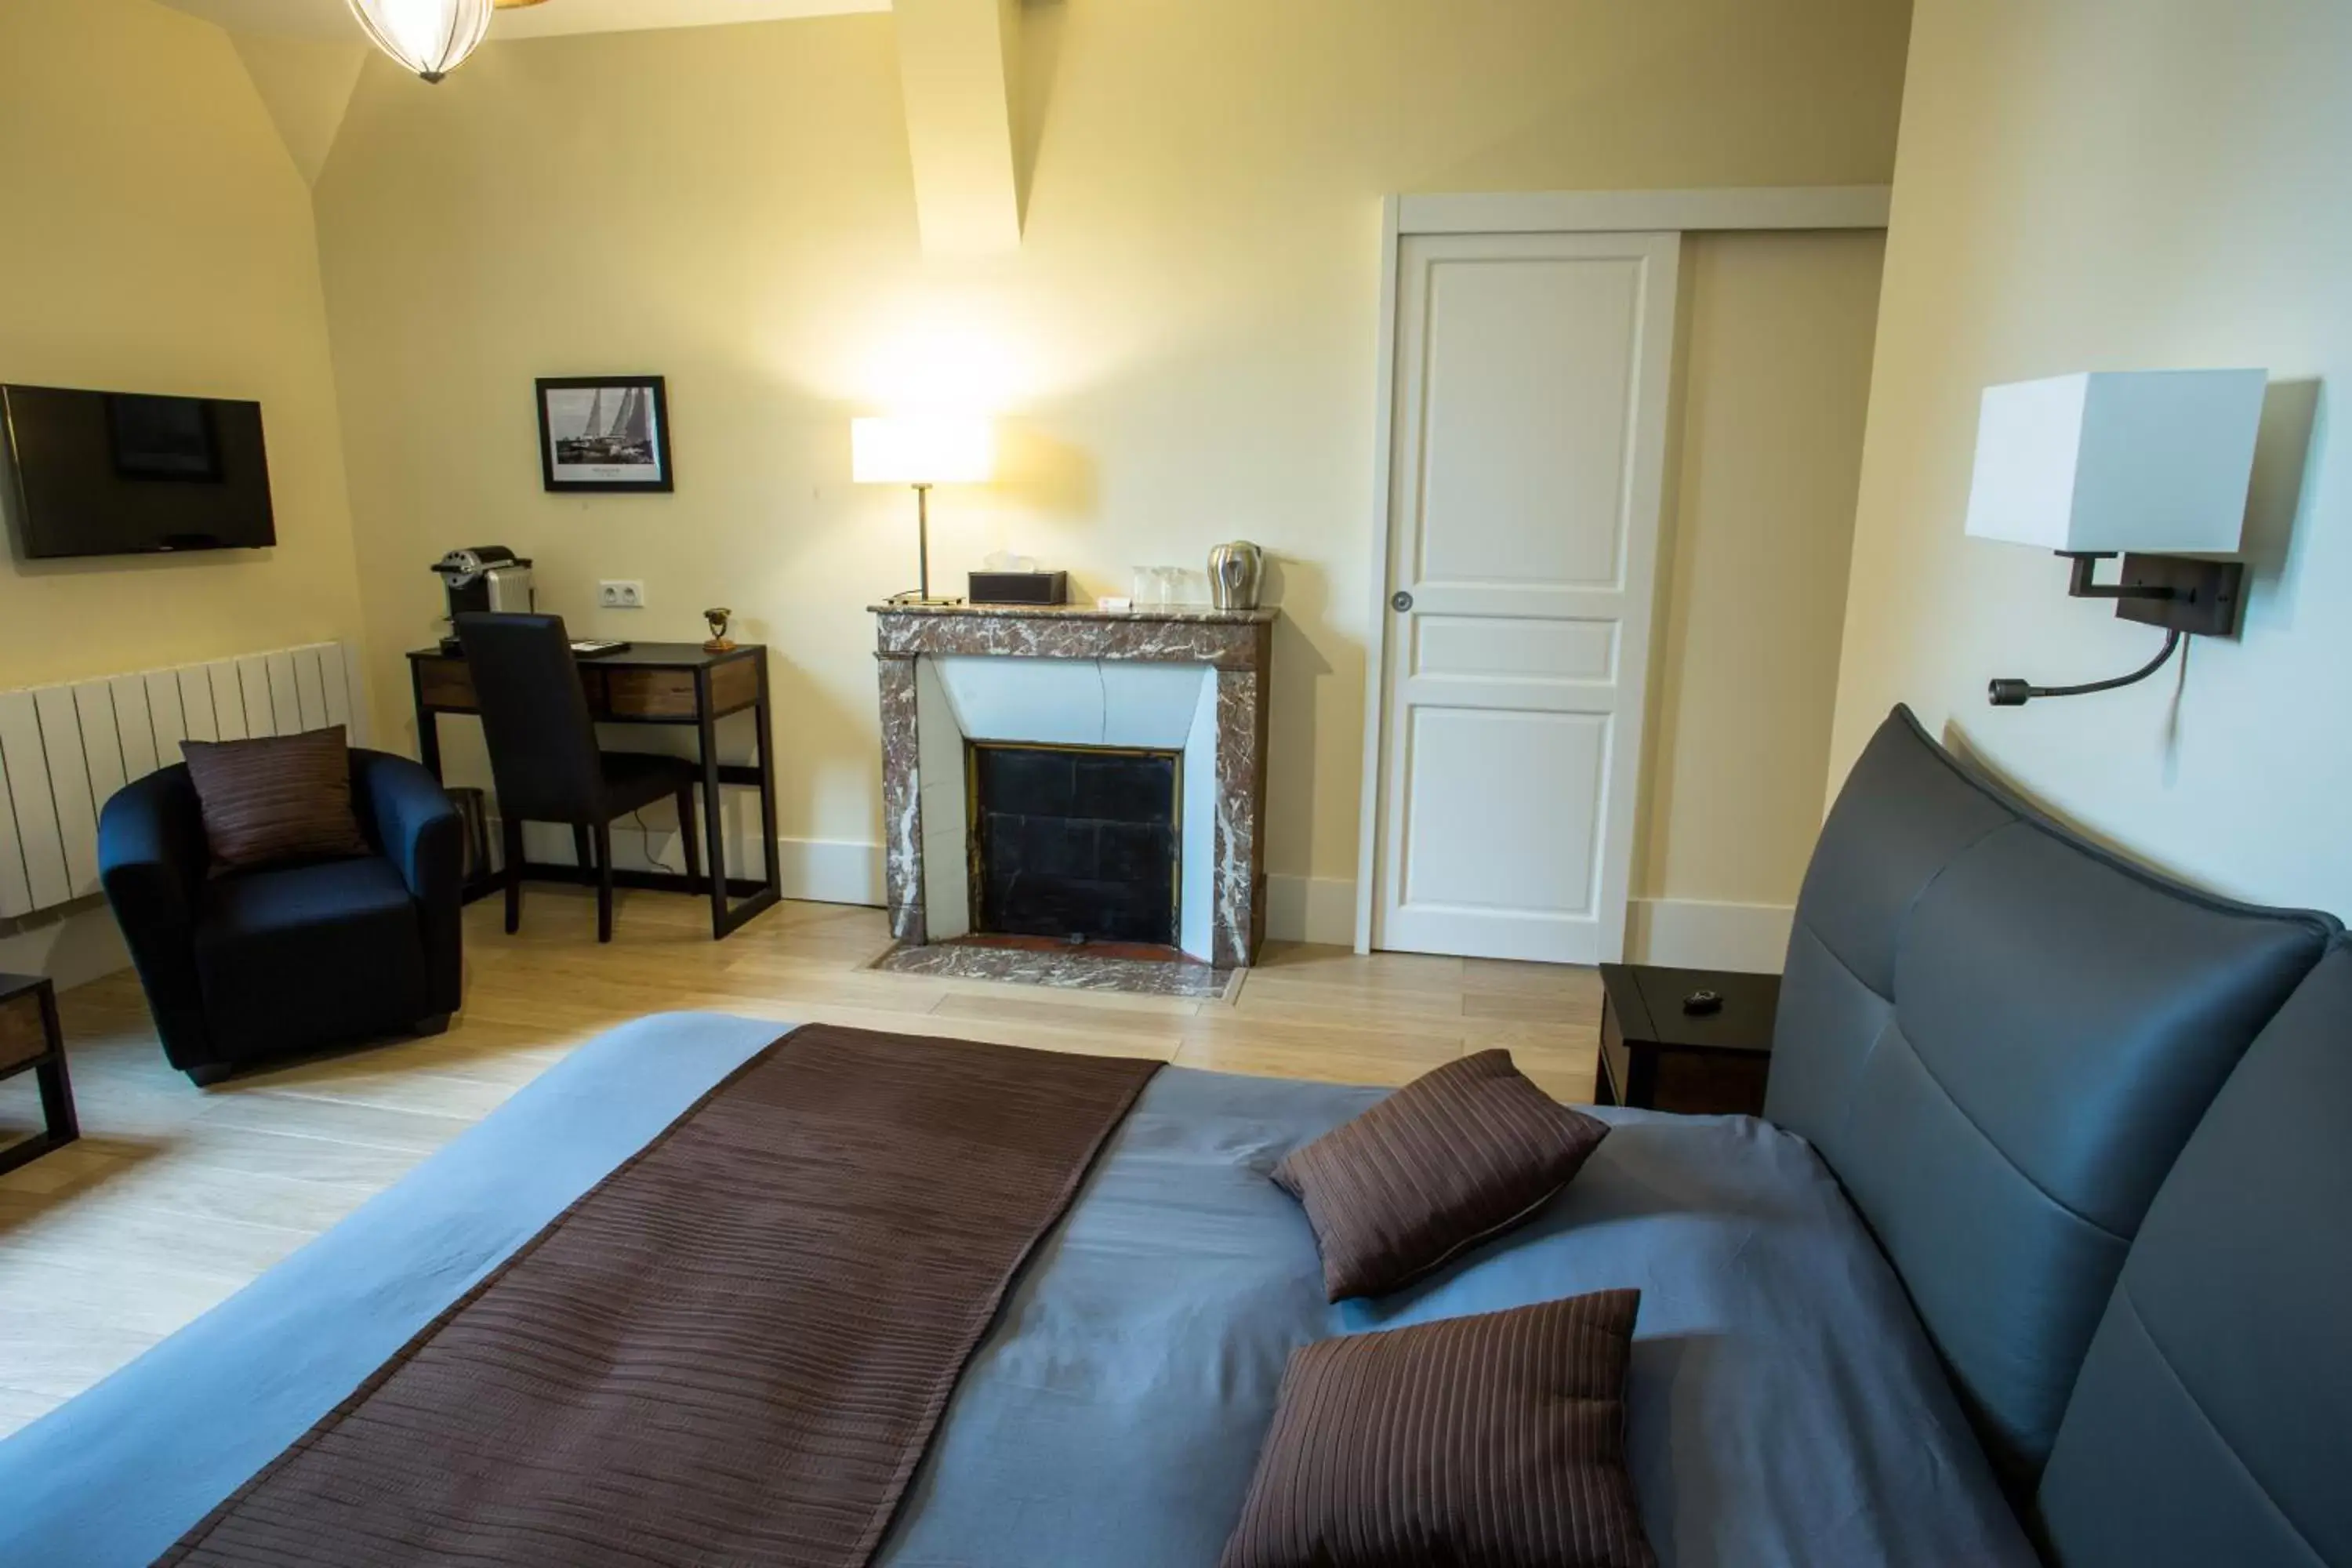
(1185,683)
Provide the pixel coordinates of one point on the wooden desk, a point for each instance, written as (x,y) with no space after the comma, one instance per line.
(651,683)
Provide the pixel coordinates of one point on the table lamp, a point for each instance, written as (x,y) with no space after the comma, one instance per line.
(2130,463)
(921,452)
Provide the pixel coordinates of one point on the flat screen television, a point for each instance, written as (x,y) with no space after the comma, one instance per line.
(116,473)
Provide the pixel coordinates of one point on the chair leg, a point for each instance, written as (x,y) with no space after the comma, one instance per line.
(686,836)
(580,846)
(604,881)
(513,854)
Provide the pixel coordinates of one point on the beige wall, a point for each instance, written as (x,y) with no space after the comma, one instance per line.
(1182,347)
(155,236)
(2077,193)
(158,238)
(1777,333)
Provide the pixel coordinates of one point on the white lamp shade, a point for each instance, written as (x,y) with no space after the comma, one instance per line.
(932,450)
(427,36)
(2105,461)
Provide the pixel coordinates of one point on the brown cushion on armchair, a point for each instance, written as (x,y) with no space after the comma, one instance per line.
(1459,1154)
(1498,1439)
(283,798)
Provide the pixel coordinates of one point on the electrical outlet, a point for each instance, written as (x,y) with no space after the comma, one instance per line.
(627,594)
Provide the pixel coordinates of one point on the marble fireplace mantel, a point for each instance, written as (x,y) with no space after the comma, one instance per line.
(941,684)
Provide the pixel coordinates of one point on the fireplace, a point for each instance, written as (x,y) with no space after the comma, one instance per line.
(1074,842)
(1151,724)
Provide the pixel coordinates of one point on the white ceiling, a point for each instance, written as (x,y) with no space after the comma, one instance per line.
(332,18)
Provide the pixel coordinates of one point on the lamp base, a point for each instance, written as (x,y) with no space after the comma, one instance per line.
(2203,599)
(917,596)
(2179,592)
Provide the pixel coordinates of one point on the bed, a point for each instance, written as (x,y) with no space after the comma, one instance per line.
(1775,1418)
(1810,1381)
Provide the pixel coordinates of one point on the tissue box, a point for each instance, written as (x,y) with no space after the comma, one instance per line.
(1019,587)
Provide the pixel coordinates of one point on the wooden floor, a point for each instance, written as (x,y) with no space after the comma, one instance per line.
(176,1196)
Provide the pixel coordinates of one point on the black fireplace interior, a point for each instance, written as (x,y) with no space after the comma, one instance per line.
(1075,841)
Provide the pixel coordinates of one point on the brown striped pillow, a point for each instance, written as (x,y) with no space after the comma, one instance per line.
(1498,1439)
(1459,1154)
(285,798)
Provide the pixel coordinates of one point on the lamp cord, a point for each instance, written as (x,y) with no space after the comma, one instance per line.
(2014,693)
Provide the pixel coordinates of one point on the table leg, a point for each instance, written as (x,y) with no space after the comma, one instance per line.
(57,1087)
(428,727)
(1640,1076)
(707,730)
(762,716)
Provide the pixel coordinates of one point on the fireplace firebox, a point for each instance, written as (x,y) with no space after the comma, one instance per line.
(1074,842)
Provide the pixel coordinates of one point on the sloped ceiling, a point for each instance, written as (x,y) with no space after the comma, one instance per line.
(960,62)
(306,84)
(331,19)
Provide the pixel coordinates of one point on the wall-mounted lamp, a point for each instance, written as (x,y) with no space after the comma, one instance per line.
(2130,463)
(921,452)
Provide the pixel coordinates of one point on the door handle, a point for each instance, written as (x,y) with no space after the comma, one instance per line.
(1401,601)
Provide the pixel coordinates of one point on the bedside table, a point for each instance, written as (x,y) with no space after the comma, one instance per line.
(31,1037)
(1658,1056)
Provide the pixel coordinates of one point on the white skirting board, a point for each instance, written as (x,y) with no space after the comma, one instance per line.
(1310,908)
(1681,933)
(838,872)
(1693,933)
(820,870)
(74,947)
(84,944)
(1685,932)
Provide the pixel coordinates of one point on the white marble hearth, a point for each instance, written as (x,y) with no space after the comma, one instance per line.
(1186,681)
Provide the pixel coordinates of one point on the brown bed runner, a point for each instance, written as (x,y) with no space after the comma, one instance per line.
(733,1349)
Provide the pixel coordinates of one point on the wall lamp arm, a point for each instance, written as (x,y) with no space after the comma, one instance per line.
(2014,693)
(2079,584)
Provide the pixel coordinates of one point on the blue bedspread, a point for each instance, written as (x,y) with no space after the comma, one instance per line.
(1784,1407)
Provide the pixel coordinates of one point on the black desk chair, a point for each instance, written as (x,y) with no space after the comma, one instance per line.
(544,756)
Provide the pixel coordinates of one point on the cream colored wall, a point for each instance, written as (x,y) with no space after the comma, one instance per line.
(2072,193)
(158,238)
(1182,347)
(1776,378)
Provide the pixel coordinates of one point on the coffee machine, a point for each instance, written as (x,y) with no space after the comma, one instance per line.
(486,577)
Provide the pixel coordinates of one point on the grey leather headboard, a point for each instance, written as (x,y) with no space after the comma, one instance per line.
(1999,1036)
(2210,1424)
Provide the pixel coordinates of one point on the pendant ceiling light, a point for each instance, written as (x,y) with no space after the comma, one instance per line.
(427,36)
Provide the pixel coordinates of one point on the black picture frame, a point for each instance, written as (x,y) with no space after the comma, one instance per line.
(632,412)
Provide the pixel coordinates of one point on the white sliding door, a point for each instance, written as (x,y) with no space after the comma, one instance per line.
(1526,452)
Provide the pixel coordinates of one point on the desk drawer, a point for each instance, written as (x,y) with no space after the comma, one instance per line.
(735,684)
(23,1036)
(623,691)
(633,693)
(446,684)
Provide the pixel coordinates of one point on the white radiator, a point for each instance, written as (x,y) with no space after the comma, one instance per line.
(64,749)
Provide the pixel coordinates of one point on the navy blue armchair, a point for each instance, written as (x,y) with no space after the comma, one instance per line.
(262,963)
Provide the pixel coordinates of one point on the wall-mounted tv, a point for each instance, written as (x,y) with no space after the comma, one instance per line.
(116,473)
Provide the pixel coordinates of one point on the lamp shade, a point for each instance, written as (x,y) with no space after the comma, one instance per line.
(2156,461)
(430,37)
(933,450)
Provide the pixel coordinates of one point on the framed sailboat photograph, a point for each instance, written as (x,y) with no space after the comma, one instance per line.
(608,433)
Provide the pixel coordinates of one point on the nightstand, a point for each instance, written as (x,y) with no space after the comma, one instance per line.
(1657,1055)
(31,1038)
